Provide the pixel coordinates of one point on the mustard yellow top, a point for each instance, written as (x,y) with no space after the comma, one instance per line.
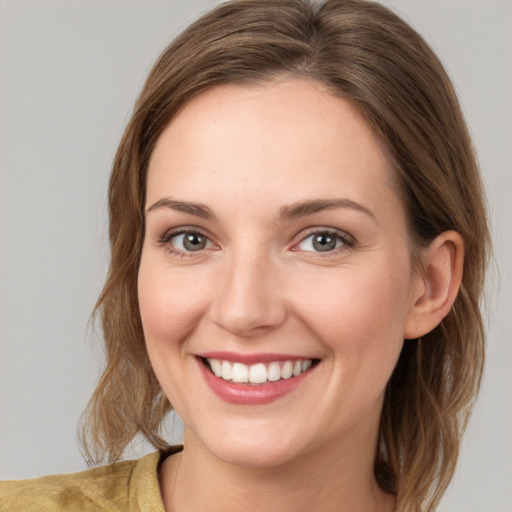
(129,486)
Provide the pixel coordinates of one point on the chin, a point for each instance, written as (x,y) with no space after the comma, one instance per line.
(252,448)
(254,454)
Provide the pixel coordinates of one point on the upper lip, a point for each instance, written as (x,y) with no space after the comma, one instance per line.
(237,357)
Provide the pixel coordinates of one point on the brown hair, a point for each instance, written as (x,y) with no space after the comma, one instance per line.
(362,52)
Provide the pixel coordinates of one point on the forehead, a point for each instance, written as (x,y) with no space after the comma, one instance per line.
(287,138)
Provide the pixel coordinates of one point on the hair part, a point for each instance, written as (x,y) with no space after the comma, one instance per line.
(364,53)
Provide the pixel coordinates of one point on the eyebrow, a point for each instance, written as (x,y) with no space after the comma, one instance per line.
(287,212)
(304,208)
(197,209)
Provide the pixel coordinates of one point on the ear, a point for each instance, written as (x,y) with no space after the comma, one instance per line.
(436,284)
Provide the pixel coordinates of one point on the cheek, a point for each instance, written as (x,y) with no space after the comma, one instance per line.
(359,315)
(360,322)
(362,301)
(171,306)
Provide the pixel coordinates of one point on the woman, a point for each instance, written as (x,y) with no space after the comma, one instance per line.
(299,240)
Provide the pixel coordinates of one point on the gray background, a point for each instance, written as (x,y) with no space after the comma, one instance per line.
(70,70)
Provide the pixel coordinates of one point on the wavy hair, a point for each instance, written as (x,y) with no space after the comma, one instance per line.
(362,52)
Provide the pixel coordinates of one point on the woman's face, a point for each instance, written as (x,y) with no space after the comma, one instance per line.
(275,240)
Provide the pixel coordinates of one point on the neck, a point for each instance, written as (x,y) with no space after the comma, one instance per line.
(337,479)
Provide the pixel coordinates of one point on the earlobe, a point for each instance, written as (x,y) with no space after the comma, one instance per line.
(437,285)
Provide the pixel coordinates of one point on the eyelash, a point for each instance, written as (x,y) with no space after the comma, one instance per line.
(346,240)
(165,241)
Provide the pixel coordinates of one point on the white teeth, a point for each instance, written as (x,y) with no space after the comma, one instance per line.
(258,373)
(287,370)
(226,370)
(306,364)
(274,372)
(216,367)
(240,373)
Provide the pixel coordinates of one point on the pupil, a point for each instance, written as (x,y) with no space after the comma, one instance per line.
(194,242)
(323,243)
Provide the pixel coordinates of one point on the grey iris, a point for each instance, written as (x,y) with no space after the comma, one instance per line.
(324,242)
(194,242)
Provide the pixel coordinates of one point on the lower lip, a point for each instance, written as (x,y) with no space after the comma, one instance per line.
(247,394)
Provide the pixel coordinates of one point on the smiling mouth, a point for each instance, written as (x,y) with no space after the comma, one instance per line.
(259,373)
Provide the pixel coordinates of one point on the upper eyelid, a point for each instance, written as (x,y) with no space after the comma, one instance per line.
(184,229)
(333,231)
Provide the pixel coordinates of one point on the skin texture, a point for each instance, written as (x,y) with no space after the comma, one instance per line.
(259,286)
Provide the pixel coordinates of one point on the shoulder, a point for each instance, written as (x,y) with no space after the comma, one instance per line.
(129,485)
(102,488)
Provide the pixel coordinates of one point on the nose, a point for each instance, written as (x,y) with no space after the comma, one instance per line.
(249,302)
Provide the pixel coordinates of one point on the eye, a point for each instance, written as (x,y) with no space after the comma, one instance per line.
(185,241)
(324,241)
